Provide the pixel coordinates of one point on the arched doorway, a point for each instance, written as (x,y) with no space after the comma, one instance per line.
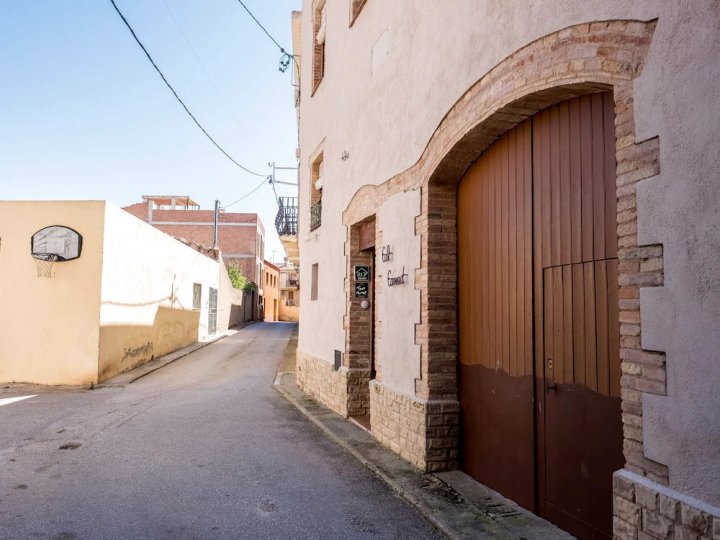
(538,315)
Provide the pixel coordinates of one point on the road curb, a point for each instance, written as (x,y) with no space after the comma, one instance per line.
(129,377)
(435,500)
(438,524)
(455,504)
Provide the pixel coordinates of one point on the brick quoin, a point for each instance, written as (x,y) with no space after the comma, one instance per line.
(574,61)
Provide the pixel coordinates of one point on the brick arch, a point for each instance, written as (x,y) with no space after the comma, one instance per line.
(574,61)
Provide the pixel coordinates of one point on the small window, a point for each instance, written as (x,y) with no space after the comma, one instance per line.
(319,30)
(314,283)
(197,295)
(355,9)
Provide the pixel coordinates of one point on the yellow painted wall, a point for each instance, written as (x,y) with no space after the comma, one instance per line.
(146,308)
(289,313)
(49,327)
(271,293)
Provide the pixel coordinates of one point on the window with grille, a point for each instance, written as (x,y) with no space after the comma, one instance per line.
(317,179)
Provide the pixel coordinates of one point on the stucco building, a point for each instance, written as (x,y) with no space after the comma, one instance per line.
(508,219)
(129,294)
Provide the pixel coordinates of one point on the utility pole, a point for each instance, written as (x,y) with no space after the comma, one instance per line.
(215,224)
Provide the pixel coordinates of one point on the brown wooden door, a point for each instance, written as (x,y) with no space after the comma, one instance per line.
(576,314)
(495,303)
(539,333)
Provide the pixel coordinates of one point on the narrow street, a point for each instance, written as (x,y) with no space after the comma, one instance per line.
(202,448)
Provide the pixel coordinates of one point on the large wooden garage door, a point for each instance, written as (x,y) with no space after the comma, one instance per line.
(495,292)
(557,457)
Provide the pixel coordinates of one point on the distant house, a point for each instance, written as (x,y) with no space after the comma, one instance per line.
(270,298)
(289,292)
(241,236)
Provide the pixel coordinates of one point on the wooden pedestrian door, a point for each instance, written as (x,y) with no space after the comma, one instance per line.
(539,331)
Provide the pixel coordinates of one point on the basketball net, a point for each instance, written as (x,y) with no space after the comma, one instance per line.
(45,265)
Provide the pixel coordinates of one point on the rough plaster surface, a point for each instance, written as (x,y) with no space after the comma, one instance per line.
(399,306)
(677,99)
(48,327)
(385,121)
(146,307)
(131,249)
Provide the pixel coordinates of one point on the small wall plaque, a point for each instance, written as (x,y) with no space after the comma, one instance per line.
(362,290)
(362,273)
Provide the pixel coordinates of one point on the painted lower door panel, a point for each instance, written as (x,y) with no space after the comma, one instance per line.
(496,358)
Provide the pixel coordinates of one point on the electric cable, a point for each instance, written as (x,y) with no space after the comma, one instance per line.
(282,50)
(247,194)
(137,40)
(222,96)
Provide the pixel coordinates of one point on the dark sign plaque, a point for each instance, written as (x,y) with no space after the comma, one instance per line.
(362,273)
(362,290)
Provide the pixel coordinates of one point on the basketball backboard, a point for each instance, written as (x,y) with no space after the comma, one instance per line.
(60,243)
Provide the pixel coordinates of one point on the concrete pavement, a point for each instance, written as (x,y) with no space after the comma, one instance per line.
(455,503)
(202,448)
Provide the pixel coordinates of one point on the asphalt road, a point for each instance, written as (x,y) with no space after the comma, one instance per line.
(202,448)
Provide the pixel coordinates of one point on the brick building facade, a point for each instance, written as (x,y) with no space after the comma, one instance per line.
(241,236)
(508,237)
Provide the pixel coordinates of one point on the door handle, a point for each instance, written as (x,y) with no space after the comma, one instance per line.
(550,383)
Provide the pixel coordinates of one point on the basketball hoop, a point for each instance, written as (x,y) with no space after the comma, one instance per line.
(52,244)
(44,262)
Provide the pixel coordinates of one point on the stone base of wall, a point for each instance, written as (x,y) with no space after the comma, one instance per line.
(345,391)
(424,432)
(646,510)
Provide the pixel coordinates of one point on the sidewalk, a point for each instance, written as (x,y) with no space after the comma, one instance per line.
(147,368)
(453,502)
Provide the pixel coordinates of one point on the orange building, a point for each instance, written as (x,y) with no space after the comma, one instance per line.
(271,289)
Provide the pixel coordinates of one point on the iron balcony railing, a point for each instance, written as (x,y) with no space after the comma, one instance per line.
(316,215)
(286,221)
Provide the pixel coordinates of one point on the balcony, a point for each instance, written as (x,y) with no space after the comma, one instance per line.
(287,283)
(286,223)
(286,219)
(316,215)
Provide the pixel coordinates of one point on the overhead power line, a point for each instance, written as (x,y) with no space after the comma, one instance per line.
(205,70)
(247,194)
(286,56)
(176,94)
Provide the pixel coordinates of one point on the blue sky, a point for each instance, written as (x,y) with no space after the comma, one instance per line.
(83,114)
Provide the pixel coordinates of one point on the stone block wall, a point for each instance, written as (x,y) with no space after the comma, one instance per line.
(320,381)
(422,431)
(344,391)
(647,510)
